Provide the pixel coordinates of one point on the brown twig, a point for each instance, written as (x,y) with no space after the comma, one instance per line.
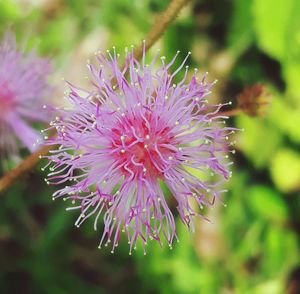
(230,112)
(163,21)
(26,165)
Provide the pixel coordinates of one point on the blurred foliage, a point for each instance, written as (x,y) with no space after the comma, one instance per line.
(252,245)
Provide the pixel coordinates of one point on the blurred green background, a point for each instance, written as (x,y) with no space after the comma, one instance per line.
(252,245)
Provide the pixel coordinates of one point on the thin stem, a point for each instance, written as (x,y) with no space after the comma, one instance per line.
(230,112)
(26,165)
(159,26)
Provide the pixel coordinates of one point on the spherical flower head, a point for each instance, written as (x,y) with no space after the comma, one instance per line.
(254,100)
(133,132)
(23,89)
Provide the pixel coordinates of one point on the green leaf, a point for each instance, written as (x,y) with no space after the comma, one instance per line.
(280,250)
(277,27)
(9,11)
(253,141)
(241,32)
(285,170)
(267,203)
(271,19)
(286,117)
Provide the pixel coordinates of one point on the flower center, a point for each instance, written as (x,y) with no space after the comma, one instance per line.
(6,99)
(143,145)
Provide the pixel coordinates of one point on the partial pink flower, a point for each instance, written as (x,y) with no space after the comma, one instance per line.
(23,90)
(137,129)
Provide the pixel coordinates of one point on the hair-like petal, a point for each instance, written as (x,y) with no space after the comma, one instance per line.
(134,131)
(23,96)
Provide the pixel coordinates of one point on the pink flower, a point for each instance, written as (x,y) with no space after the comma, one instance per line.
(23,86)
(133,132)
